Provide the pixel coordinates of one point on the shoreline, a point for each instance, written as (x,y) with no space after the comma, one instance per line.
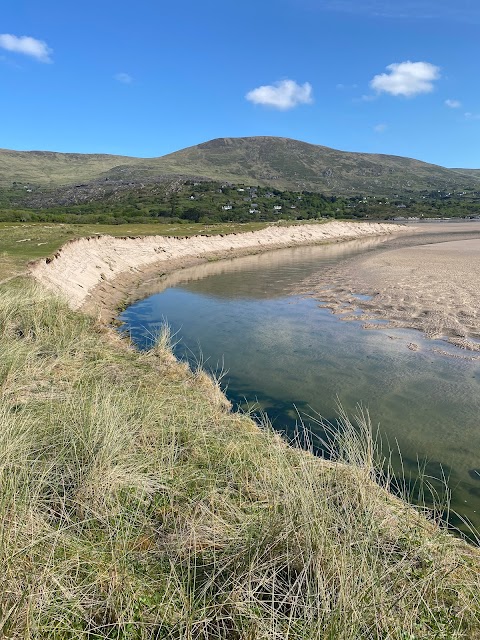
(428,283)
(99,274)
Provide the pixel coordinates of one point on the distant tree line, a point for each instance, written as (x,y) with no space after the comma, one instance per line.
(210,202)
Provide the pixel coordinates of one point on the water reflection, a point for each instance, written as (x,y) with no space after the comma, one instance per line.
(288,357)
(271,274)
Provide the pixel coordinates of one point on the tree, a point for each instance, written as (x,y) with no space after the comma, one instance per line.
(193,214)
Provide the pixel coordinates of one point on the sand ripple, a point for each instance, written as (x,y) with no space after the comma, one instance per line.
(433,287)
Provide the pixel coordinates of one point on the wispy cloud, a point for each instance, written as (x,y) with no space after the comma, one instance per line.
(27,46)
(460,10)
(380,128)
(8,62)
(406,79)
(124,78)
(282,95)
(472,116)
(453,104)
(366,98)
(345,87)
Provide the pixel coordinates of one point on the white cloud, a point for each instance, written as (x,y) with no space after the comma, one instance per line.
(380,128)
(406,79)
(283,95)
(32,47)
(472,116)
(453,104)
(125,78)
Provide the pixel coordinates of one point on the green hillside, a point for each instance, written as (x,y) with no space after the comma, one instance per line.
(290,164)
(475,173)
(51,169)
(266,161)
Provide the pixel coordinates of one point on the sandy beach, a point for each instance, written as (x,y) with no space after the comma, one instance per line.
(97,274)
(430,282)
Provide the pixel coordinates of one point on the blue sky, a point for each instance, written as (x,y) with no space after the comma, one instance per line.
(150,77)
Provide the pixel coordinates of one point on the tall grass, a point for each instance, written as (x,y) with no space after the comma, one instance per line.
(135,505)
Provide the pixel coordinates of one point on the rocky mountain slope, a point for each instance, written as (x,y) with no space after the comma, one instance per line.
(268,161)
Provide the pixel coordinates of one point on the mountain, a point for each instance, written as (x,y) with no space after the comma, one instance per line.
(49,168)
(469,172)
(269,161)
(290,164)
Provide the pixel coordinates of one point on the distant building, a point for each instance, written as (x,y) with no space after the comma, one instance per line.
(227,207)
(277,207)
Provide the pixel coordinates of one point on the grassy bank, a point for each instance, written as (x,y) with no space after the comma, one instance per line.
(134,504)
(21,242)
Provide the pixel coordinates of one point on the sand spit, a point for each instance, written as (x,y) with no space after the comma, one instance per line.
(432,287)
(96,272)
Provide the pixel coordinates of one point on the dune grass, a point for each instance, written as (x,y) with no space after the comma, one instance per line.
(134,505)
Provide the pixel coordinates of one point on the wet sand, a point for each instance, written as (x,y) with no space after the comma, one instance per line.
(429,281)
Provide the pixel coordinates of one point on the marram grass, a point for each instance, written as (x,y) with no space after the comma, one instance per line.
(135,505)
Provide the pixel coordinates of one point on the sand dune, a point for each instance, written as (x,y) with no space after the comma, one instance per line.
(95,272)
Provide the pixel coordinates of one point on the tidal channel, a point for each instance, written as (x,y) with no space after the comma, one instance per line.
(286,356)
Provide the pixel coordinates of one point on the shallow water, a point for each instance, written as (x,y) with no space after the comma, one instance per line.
(291,358)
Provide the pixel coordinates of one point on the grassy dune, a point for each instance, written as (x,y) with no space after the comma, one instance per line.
(22,242)
(135,505)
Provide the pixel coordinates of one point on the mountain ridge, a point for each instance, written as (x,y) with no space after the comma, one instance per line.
(278,162)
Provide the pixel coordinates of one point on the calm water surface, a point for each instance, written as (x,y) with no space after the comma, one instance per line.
(289,357)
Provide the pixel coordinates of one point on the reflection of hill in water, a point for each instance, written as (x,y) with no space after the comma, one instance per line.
(276,273)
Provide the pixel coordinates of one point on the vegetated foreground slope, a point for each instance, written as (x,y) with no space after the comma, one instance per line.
(136,505)
(269,161)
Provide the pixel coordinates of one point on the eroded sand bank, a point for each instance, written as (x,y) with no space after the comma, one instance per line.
(433,286)
(97,273)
